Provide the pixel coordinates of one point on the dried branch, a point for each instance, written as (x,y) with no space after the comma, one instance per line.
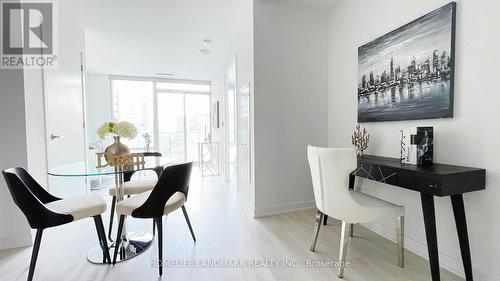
(360,139)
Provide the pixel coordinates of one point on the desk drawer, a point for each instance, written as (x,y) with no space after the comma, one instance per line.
(421,183)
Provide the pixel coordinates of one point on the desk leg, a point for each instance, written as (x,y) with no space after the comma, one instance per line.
(352,179)
(430,233)
(457,202)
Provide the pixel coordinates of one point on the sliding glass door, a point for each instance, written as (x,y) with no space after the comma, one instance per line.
(175,114)
(171,129)
(197,123)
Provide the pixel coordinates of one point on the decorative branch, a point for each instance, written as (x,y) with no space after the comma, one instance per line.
(360,139)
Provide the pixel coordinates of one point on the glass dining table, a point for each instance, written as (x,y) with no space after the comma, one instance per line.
(133,243)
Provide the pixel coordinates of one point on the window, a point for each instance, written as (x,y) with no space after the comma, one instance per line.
(200,88)
(176,114)
(132,101)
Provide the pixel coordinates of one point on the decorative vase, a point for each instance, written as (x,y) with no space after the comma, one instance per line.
(115,150)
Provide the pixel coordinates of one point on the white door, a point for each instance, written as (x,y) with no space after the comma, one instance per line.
(64,109)
(231,125)
(244,166)
(231,133)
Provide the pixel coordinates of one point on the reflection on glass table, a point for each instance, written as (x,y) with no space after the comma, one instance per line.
(133,243)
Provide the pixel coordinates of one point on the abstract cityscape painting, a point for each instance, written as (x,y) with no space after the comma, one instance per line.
(408,73)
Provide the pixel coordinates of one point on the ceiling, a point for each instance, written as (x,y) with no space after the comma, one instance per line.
(123,38)
(165,36)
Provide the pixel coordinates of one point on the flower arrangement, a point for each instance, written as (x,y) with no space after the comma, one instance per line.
(123,129)
(147,140)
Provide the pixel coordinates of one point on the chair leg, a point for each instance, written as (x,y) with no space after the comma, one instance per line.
(118,237)
(154,227)
(188,222)
(344,243)
(111,217)
(34,254)
(400,234)
(99,226)
(317,225)
(160,244)
(351,233)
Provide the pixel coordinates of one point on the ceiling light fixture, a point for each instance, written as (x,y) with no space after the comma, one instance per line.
(206,42)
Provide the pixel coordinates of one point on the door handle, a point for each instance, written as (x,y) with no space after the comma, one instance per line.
(54,136)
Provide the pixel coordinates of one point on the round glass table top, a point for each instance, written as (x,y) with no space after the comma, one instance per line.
(88,169)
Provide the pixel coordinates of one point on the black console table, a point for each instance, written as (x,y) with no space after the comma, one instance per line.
(433,180)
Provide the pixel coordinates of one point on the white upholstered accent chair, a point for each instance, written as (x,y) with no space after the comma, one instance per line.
(330,170)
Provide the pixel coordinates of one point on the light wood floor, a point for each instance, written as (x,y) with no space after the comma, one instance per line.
(225,231)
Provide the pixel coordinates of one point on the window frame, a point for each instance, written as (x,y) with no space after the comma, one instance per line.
(156,92)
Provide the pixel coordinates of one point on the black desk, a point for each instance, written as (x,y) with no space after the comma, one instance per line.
(434,180)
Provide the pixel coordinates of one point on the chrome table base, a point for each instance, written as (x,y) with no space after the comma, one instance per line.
(135,244)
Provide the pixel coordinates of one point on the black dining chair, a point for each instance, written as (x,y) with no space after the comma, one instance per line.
(43,210)
(168,195)
(133,187)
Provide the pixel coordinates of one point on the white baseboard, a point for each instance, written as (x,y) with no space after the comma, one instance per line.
(281,209)
(445,261)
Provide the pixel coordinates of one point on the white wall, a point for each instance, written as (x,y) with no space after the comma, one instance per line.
(470,138)
(35,125)
(98,103)
(218,134)
(244,50)
(14,229)
(242,31)
(98,109)
(290,47)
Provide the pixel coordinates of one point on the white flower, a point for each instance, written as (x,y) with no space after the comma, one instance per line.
(104,130)
(126,129)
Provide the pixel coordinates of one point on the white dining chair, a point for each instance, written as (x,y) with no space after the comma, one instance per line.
(330,170)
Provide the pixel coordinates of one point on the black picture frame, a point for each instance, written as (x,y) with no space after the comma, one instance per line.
(424,87)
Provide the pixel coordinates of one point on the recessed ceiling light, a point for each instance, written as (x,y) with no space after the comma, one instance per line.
(164,74)
(206,42)
(205,51)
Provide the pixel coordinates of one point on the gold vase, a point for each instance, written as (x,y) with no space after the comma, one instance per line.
(115,151)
